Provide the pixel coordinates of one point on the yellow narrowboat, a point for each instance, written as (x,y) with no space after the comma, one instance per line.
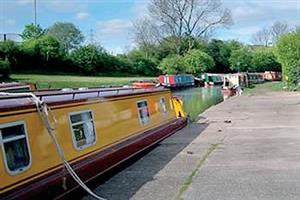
(46,134)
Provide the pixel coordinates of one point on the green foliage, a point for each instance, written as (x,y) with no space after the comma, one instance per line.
(67,34)
(264,60)
(241,59)
(172,65)
(9,51)
(4,69)
(288,53)
(32,31)
(220,52)
(87,58)
(49,48)
(141,64)
(197,61)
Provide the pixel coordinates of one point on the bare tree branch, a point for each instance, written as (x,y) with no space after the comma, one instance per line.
(185,18)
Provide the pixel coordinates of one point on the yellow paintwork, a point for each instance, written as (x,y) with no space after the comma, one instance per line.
(178,107)
(115,120)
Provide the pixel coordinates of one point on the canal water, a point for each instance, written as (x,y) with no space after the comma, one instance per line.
(196,100)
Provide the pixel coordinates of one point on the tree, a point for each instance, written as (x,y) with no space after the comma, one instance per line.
(49,48)
(288,54)
(87,58)
(264,60)
(9,51)
(268,36)
(262,37)
(4,69)
(278,29)
(220,52)
(172,65)
(68,35)
(32,31)
(142,64)
(197,62)
(180,18)
(241,59)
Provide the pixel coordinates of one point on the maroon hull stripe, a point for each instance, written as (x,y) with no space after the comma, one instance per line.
(51,185)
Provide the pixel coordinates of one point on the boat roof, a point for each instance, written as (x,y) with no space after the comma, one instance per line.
(9,101)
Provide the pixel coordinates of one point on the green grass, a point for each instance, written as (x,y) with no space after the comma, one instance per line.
(264,87)
(68,81)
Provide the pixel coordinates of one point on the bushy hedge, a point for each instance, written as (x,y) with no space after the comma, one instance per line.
(288,53)
(4,69)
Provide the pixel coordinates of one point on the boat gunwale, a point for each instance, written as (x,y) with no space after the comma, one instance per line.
(13,107)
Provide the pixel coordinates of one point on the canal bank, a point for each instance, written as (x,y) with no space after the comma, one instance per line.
(247,147)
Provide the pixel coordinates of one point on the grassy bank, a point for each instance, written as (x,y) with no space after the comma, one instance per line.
(65,81)
(264,87)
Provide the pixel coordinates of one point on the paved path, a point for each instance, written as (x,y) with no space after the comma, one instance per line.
(245,148)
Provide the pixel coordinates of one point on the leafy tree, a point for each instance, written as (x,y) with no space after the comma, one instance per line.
(4,69)
(142,64)
(240,60)
(32,31)
(68,35)
(197,61)
(264,60)
(288,53)
(49,48)
(9,51)
(220,52)
(172,65)
(87,58)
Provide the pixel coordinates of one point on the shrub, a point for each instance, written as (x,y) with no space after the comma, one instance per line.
(288,53)
(197,61)
(4,69)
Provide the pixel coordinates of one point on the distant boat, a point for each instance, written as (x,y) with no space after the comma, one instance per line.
(16,87)
(177,81)
(144,84)
(212,79)
(272,76)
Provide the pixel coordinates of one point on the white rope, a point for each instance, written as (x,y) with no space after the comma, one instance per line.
(44,111)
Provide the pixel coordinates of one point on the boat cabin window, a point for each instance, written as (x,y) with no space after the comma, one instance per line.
(83,129)
(163,105)
(15,148)
(143,111)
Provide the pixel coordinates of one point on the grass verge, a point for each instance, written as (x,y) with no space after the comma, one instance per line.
(264,87)
(189,179)
(69,81)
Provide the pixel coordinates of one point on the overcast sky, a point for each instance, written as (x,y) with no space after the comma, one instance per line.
(111,20)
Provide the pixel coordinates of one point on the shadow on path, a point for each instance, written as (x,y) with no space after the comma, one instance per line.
(124,181)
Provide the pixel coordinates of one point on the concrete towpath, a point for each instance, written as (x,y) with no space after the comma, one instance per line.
(247,147)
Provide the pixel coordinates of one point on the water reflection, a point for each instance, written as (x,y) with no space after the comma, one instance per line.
(196,100)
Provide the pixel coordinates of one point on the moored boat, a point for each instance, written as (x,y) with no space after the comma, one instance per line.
(272,76)
(177,81)
(144,84)
(255,78)
(234,83)
(16,87)
(96,129)
(212,79)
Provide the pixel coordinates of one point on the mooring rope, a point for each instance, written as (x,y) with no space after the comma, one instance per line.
(43,111)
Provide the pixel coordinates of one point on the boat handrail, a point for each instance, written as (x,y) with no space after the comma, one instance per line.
(99,91)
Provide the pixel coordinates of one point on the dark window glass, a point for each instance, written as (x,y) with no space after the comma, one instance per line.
(17,156)
(15,147)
